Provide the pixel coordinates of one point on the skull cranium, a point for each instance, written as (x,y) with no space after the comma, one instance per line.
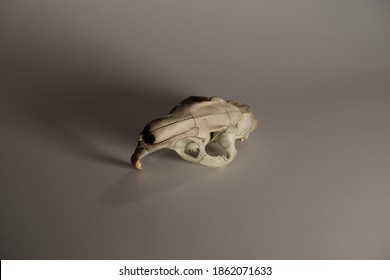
(194,123)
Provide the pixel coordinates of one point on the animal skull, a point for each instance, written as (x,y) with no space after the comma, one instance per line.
(192,124)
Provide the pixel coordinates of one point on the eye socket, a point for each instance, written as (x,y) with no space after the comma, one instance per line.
(215,149)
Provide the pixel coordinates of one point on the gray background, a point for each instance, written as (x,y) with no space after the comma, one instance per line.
(79,80)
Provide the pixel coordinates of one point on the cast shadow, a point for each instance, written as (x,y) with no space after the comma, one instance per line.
(82,109)
(78,118)
(91,105)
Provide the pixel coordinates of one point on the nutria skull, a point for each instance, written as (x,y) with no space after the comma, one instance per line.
(192,124)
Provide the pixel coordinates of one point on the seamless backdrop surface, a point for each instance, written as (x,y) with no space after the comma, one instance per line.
(79,79)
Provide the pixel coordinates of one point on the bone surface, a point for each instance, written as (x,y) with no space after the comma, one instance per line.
(192,124)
